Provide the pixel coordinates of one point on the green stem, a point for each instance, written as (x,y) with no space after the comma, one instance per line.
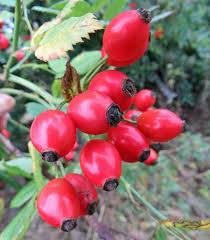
(150,207)
(19,125)
(26,95)
(87,78)
(26,18)
(15,38)
(28,65)
(33,87)
(61,168)
(62,104)
(129,121)
(18,65)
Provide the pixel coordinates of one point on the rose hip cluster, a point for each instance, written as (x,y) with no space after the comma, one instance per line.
(103,108)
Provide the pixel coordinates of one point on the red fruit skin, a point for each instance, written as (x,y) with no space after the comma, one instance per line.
(6,133)
(132,114)
(119,63)
(128,140)
(100,161)
(27,38)
(1,24)
(88,112)
(153,157)
(69,156)
(144,99)
(110,83)
(132,5)
(53,130)
(87,193)
(125,36)
(4,42)
(58,201)
(159,125)
(158,33)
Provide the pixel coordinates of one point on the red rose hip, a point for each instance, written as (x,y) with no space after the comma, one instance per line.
(87,193)
(53,134)
(160,125)
(144,99)
(127,34)
(101,164)
(116,85)
(93,112)
(132,114)
(130,142)
(152,159)
(58,204)
(4,42)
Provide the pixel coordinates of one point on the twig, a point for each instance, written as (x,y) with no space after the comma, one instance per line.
(103,230)
(10,146)
(26,19)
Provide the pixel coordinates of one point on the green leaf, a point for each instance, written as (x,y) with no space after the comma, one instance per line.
(56,89)
(85,61)
(161,16)
(60,5)
(20,223)
(23,163)
(16,171)
(61,38)
(35,109)
(45,10)
(159,234)
(114,9)
(58,65)
(75,8)
(23,195)
(5,15)
(10,181)
(99,4)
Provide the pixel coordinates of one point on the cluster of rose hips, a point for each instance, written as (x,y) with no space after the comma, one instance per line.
(97,111)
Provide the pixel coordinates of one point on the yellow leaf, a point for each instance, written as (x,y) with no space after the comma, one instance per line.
(61,38)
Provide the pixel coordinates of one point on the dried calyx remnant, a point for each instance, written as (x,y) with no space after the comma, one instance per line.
(114,115)
(145,14)
(128,87)
(50,156)
(144,155)
(111,184)
(68,225)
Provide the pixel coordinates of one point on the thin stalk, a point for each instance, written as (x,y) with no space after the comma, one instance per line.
(26,95)
(61,168)
(18,65)
(33,87)
(28,65)
(150,207)
(19,125)
(88,75)
(62,104)
(26,18)
(129,121)
(15,38)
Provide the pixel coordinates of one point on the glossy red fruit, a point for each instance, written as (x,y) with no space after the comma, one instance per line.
(87,193)
(4,42)
(118,63)
(116,85)
(160,125)
(101,164)
(152,159)
(93,112)
(53,134)
(132,114)
(127,34)
(58,204)
(6,133)
(144,99)
(130,142)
